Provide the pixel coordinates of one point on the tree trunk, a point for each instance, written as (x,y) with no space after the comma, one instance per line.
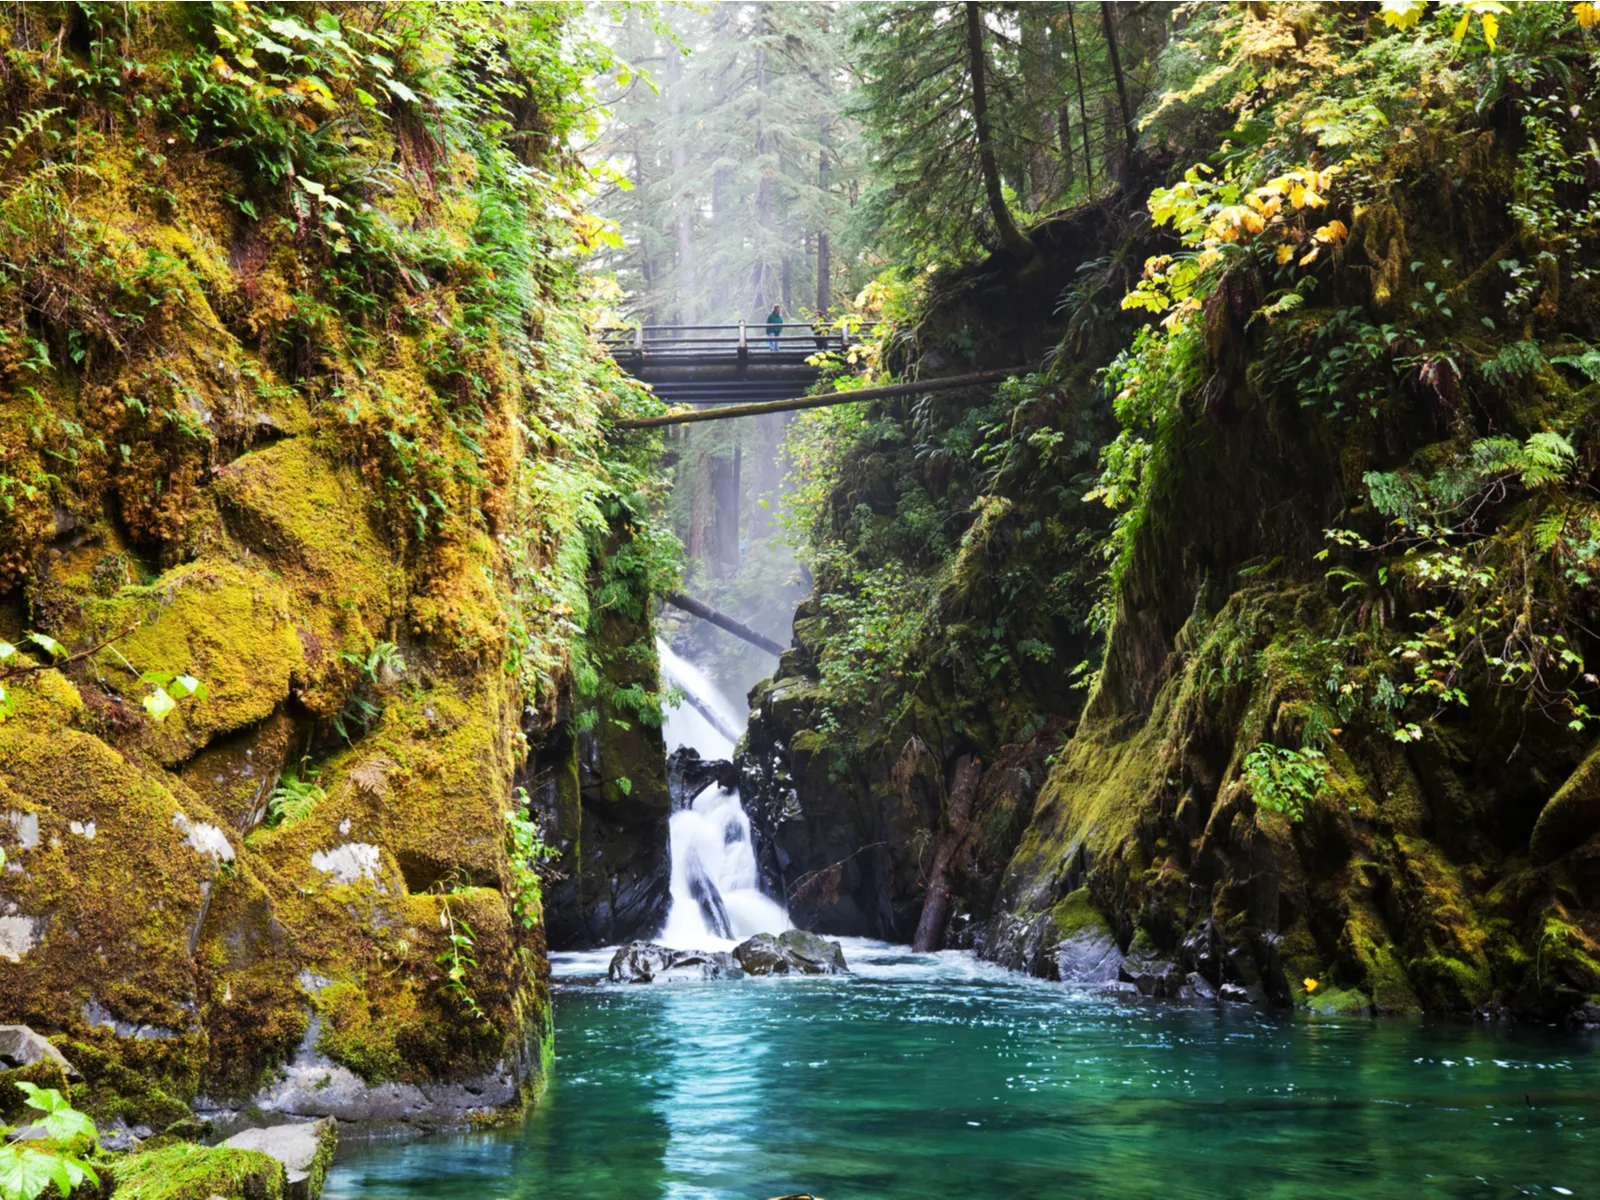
(936,903)
(824,262)
(703,511)
(1036,89)
(1116,73)
(788,288)
(1011,237)
(728,512)
(1083,105)
(766,473)
(682,202)
(763,301)
(1064,141)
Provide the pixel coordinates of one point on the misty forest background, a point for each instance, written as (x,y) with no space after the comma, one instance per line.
(816,156)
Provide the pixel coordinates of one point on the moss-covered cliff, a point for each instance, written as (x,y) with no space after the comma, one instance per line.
(1336,752)
(306,498)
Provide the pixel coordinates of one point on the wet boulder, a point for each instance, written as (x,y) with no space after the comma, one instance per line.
(647,962)
(22,1047)
(793,952)
(688,775)
(1088,956)
(305,1150)
(1152,974)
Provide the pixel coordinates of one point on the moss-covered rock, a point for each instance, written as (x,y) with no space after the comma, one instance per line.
(185,1171)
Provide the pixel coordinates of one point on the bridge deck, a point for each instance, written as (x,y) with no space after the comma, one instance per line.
(725,364)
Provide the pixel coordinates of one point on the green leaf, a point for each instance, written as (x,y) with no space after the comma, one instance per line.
(399,90)
(48,644)
(25,1172)
(68,1125)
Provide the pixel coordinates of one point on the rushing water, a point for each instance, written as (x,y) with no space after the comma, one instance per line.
(935,1075)
(716,894)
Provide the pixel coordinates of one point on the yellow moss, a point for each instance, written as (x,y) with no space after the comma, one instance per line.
(111,882)
(229,626)
(306,517)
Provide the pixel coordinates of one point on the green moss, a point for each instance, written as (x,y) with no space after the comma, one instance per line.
(138,1084)
(1338,1002)
(361,1034)
(1571,816)
(185,1171)
(1364,944)
(1075,914)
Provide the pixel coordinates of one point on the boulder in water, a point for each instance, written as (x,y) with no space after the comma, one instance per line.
(647,962)
(793,952)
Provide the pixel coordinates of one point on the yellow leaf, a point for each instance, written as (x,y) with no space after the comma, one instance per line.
(1491,26)
(158,704)
(1586,13)
(1252,222)
(1310,258)
(1311,985)
(1285,252)
(1403,14)
(1461,27)
(1333,231)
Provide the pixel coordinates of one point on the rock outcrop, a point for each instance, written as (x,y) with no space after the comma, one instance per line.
(280,512)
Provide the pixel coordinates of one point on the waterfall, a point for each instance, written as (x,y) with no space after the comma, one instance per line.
(716,893)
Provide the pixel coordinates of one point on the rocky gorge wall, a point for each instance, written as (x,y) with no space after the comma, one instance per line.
(1440,852)
(304,509)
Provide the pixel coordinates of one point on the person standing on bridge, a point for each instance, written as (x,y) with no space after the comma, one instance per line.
(774,326)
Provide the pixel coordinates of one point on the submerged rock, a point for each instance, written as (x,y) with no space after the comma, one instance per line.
(647,962)
(305,1150)
(793,952)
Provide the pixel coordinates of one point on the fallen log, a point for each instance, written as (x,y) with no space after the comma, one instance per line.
(915,388)
(723,621)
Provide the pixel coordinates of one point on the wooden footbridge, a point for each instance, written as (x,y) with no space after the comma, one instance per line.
(710,365)
(715,372)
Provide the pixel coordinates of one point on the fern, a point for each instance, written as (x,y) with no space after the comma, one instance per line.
(1516,360)
(297,793)
(1586,364)
(32,123)
(1545,458)
(1547,530)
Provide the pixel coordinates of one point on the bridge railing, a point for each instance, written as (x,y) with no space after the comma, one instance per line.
(733,340)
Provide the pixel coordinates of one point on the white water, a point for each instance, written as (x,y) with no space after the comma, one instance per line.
(711,840)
